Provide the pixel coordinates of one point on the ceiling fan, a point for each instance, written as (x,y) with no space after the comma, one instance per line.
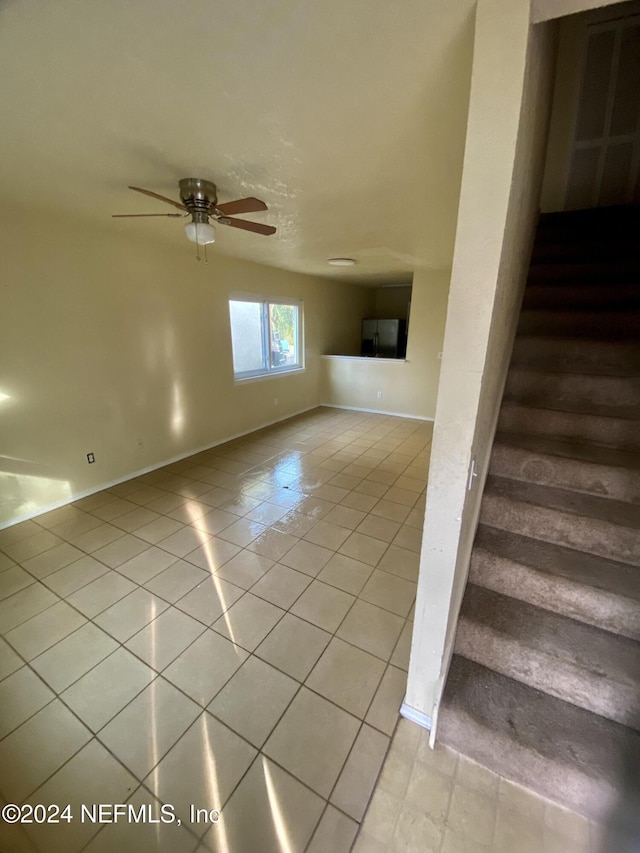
(199,201)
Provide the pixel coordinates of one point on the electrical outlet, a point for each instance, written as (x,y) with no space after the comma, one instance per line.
(379,395)
(439,356)
(275,401)
(90,458)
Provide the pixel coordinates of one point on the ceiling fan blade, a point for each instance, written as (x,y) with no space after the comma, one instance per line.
(256,227)
(130,215)
(177,204)
(242,205)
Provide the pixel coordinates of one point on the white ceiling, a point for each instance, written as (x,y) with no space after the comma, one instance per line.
(346,117)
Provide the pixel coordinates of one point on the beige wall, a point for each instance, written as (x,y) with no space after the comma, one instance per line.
(409,387)
(510,97)
(106,340)
(392,303)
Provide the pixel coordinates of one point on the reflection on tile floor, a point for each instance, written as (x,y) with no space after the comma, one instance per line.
(231,631)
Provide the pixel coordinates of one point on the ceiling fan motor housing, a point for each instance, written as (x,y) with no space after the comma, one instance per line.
(199,197)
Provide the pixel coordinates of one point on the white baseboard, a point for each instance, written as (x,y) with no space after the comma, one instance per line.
(76,496)
(416,716)
(377,412)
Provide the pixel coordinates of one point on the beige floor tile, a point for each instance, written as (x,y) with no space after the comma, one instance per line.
(473,775)
(307,557)
(237,504)
(114,509)
(184,541)
(146,565)
(210,599)
(13,580)
(74,656)
(416,833)
(381,818)
(401,562)
(134,519)
(281,586)
(315,507)
(355,783)
(441,758)
(347,676)
(566,823)
(409,537)
(176,581)
(9,660)
(101,593)
(6,562)
(378,528)
(396,772)
(455,843)
(22,694)
(162,640)
(267,513)
(253,700)
(245,569)
(402,496)
(243,532)
(107,688)
(248,621)
(384,710)
(283,813)
(515,798)
(295,523)
(390,510)
(19,532)
(273,544)
(160,529)
(364,548)
(51,560)
(205,666)
(143,837)
(40,632)
(294,646)
(327,535)
(30,754)
(430,792)
(323,605)
(25,604)
(402,651)
(371,628)
(129,615)
(91,776)
(365,843)
(213,554)
(75,575)
(97,538)
(345,481)
(146,729)
(370,487)
(335,832)
(118,552)
(312,740)
(553,843)
(189,511)
(514,831)
(472,813)
(356,500)
(345,573)
(213,521)
(26,549)
(389,592)
(203,767)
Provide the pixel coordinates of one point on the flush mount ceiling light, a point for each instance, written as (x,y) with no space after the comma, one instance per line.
(341,262)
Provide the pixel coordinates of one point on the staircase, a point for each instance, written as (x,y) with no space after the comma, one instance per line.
(544,685)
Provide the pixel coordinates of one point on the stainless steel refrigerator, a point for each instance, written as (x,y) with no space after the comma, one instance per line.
(384,338)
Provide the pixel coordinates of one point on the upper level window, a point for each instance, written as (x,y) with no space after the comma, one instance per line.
(265,336)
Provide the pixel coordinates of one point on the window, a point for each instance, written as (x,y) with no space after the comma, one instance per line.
(265,336)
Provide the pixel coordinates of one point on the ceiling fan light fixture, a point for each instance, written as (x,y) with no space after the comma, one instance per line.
(201,233)
(341,262)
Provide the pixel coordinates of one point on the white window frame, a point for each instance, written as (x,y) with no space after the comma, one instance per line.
(265,302)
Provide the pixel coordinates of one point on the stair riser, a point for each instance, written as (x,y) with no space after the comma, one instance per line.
(552,525)
(573,388)
(610,612)
(576,356)
(546,470)
(577,297)
(560,678)
(566,252)
(614,432)
(579,324)
(580,273)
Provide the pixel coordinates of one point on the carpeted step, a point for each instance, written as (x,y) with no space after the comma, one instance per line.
(615,426)
(557,273)
(601,526)
(577,355)
(579,466)
(617,325)
(595,221)
(581,586)
(578,247)
(581,760)
(575,662)
(524,383)
(580,296)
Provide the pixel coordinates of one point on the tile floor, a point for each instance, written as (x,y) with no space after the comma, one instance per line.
(231,631)
(437,801)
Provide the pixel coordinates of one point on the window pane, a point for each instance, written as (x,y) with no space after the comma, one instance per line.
(283,320)
(246,336)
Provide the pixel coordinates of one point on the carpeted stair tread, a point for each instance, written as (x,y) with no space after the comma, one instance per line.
(586,587)
(577,407)
(524,382)
(572,756)
(579,663)
(580,466)
(586,296)
(577,355)
(608,325)
(557,272)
